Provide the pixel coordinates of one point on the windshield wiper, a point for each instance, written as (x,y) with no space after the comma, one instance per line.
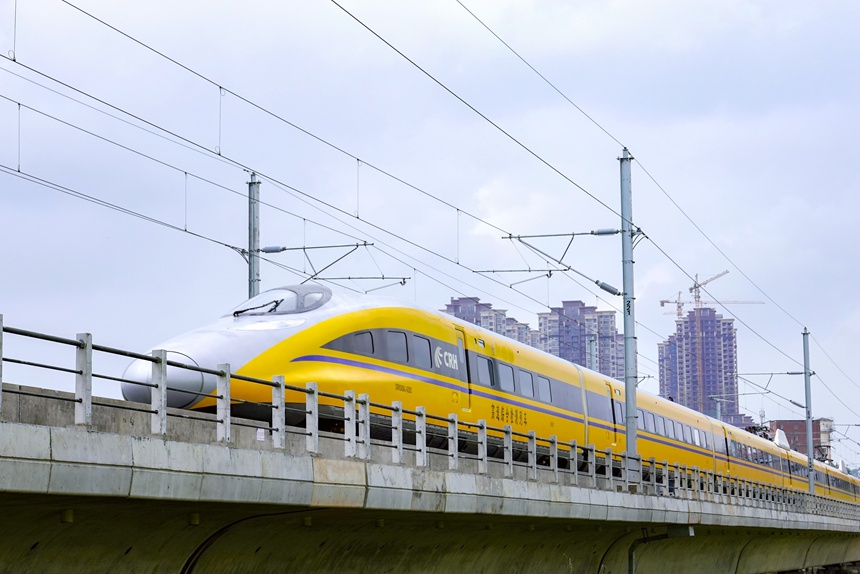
(274,304)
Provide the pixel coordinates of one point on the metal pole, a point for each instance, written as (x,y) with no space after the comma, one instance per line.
(253,236)
(630,370)
(719,410)
(809,445)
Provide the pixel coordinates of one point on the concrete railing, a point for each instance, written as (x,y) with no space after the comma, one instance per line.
(369,425)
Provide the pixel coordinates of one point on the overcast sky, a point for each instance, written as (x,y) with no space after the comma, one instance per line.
(744,113)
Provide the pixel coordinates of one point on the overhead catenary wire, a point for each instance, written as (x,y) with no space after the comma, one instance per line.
(280,118)
(203,149)
(656,183)
(556,310)
(277,116)
(481,114)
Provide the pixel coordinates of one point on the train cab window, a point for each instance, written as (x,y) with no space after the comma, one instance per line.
(544,392)
(285,300)
(640,419)
(670,428)
(362,343)
(661,426)
(485,372)
(688,436)
(423,355)
(527,386)
(649,422)
(311,299)
(397,350)
(506,377)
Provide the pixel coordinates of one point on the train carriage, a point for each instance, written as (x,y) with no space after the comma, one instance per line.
(394,351)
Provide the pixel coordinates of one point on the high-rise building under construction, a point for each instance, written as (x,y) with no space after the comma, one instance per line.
(699,364)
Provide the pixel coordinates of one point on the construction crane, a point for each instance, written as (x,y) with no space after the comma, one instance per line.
(679,304)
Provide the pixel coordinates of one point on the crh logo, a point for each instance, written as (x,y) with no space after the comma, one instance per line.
(449,359)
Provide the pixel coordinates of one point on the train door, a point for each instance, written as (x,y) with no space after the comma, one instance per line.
(463,360)
(615,418)
(731,450)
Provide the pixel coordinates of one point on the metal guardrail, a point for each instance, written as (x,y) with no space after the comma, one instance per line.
(569,463)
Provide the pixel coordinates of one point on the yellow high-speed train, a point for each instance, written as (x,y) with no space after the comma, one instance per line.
(395,351)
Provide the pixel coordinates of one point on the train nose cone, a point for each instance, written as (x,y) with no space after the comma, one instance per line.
(178,380)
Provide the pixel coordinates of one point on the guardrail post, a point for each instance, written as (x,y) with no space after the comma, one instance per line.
(223,432)
(652,475)
(279,415)
(421,459)
(453,442)
(349,445)
(678,479)
(84,380)
(158,393)
(1,360)
(397,432)
(553,457)
(685,479)
(364,426)
(533,454)
(666,483)
(312,418)
(591,461)
(509,451)
(574,461)
(609,473)
(482,447)
(625,471)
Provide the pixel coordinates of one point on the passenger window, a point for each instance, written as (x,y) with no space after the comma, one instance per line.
(506,377)
(649,422)
(362,343)
(619,414)
(696,437)
(485,372)
(703,436)
(526,384)
(679,431)
(670,428)
(661,426)
(423,356)
(397,351)
(640,419)
(688,437)
(544,393)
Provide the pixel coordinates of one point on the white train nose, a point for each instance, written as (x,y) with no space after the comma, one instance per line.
(178,381)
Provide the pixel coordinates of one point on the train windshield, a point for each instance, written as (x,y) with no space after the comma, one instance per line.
(285,300)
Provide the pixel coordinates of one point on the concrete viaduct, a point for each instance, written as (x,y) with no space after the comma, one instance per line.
(110,496)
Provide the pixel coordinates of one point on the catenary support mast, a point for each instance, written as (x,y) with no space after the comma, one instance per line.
(253,236)
(810,448)
(630,368)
